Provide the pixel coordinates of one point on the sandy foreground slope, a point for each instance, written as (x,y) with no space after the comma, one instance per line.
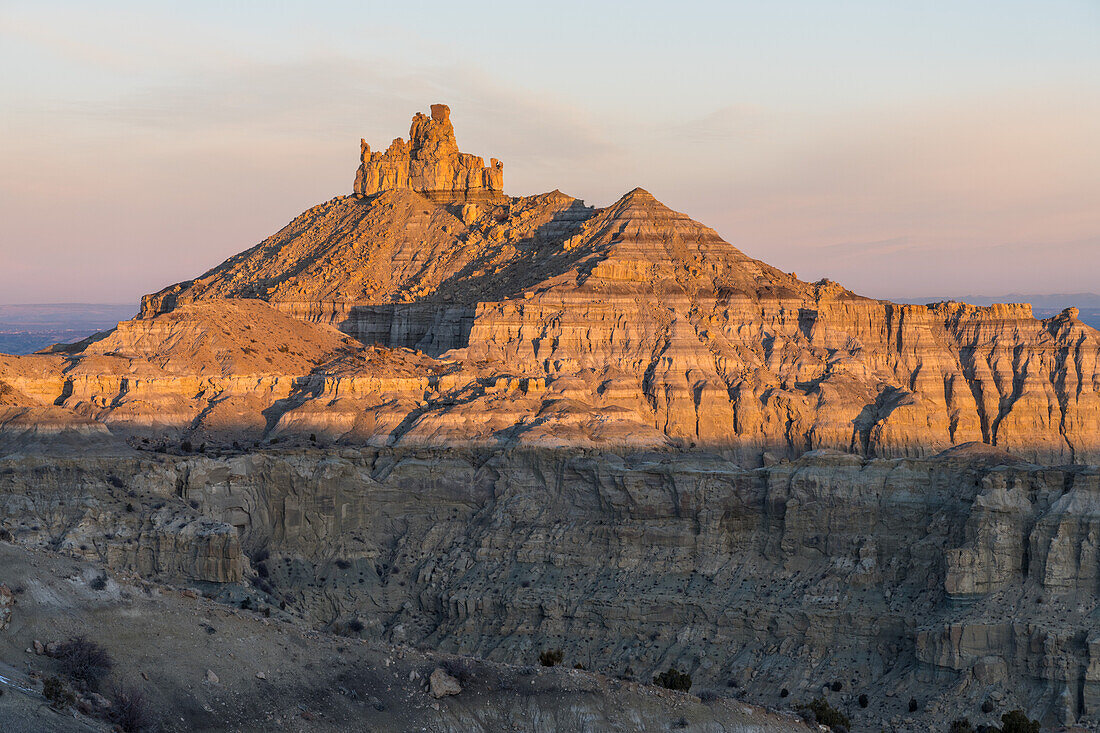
(273,676)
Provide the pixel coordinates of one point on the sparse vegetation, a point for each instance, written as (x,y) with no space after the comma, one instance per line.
(913,705)
(130,710)
(864,701)
(462,669)
(57,693)
(355,626)
(961,726)
(83,661)
(837,686)
(820,711)
(784,692)
(1016,721)
(99,582)
(673,679)
(551,657)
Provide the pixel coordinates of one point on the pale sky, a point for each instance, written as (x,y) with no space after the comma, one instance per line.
(903,149)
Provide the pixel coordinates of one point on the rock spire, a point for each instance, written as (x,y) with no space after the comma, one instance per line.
(430,163)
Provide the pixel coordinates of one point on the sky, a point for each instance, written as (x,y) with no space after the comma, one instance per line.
(904,149)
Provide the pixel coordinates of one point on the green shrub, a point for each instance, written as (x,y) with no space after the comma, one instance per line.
(551,657)
(57,693)
(820,711)
(1016,722)
(673,679)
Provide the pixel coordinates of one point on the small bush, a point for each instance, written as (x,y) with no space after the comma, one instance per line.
(1017,722)
(673,679)
(130,710)
(185,446)
(99,582)
(913,705)
(355,626)
(343,564)
(708,696)
(837,686)
(961,726)
(987,707)
(579,666)
(551,657)
(84,661)
(820,711)
(461,669)
(57,693)
(864,701)
(784,692)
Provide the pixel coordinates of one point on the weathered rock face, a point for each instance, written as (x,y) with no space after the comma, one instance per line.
(955,579)
(122,512)
(431,164)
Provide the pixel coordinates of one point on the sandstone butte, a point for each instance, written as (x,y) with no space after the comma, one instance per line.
(548,425)
(540,321)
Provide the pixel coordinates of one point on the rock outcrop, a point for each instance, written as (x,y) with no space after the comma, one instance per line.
(430,164)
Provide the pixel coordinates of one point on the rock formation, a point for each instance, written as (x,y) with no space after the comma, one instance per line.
(430,164)
(490,424)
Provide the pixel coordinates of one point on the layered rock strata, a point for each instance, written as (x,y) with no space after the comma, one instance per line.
(968,577)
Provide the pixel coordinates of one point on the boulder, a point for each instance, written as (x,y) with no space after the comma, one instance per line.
(441,684)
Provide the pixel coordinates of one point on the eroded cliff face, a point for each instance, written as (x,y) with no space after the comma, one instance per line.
(541,322)
(545,323)
(430,163)
(966,577)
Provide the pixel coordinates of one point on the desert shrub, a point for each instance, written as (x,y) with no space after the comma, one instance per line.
(864,701)
(913,705)
(461,669)
(681,722)
(1017,722)
(355,626)
(820,711)
(987,707)
(551,657)
(99,582)
(130,710)
(837,686)
(708,696)
(84,661)
(57,693)
(961,726)
(185,446)
(579,666)
(673,679)
(784,692)
(343,564)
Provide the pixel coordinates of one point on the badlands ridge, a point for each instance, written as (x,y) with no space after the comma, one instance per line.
(491,424)
(539,321)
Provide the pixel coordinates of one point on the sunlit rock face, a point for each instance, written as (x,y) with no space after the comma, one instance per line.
(431,164)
